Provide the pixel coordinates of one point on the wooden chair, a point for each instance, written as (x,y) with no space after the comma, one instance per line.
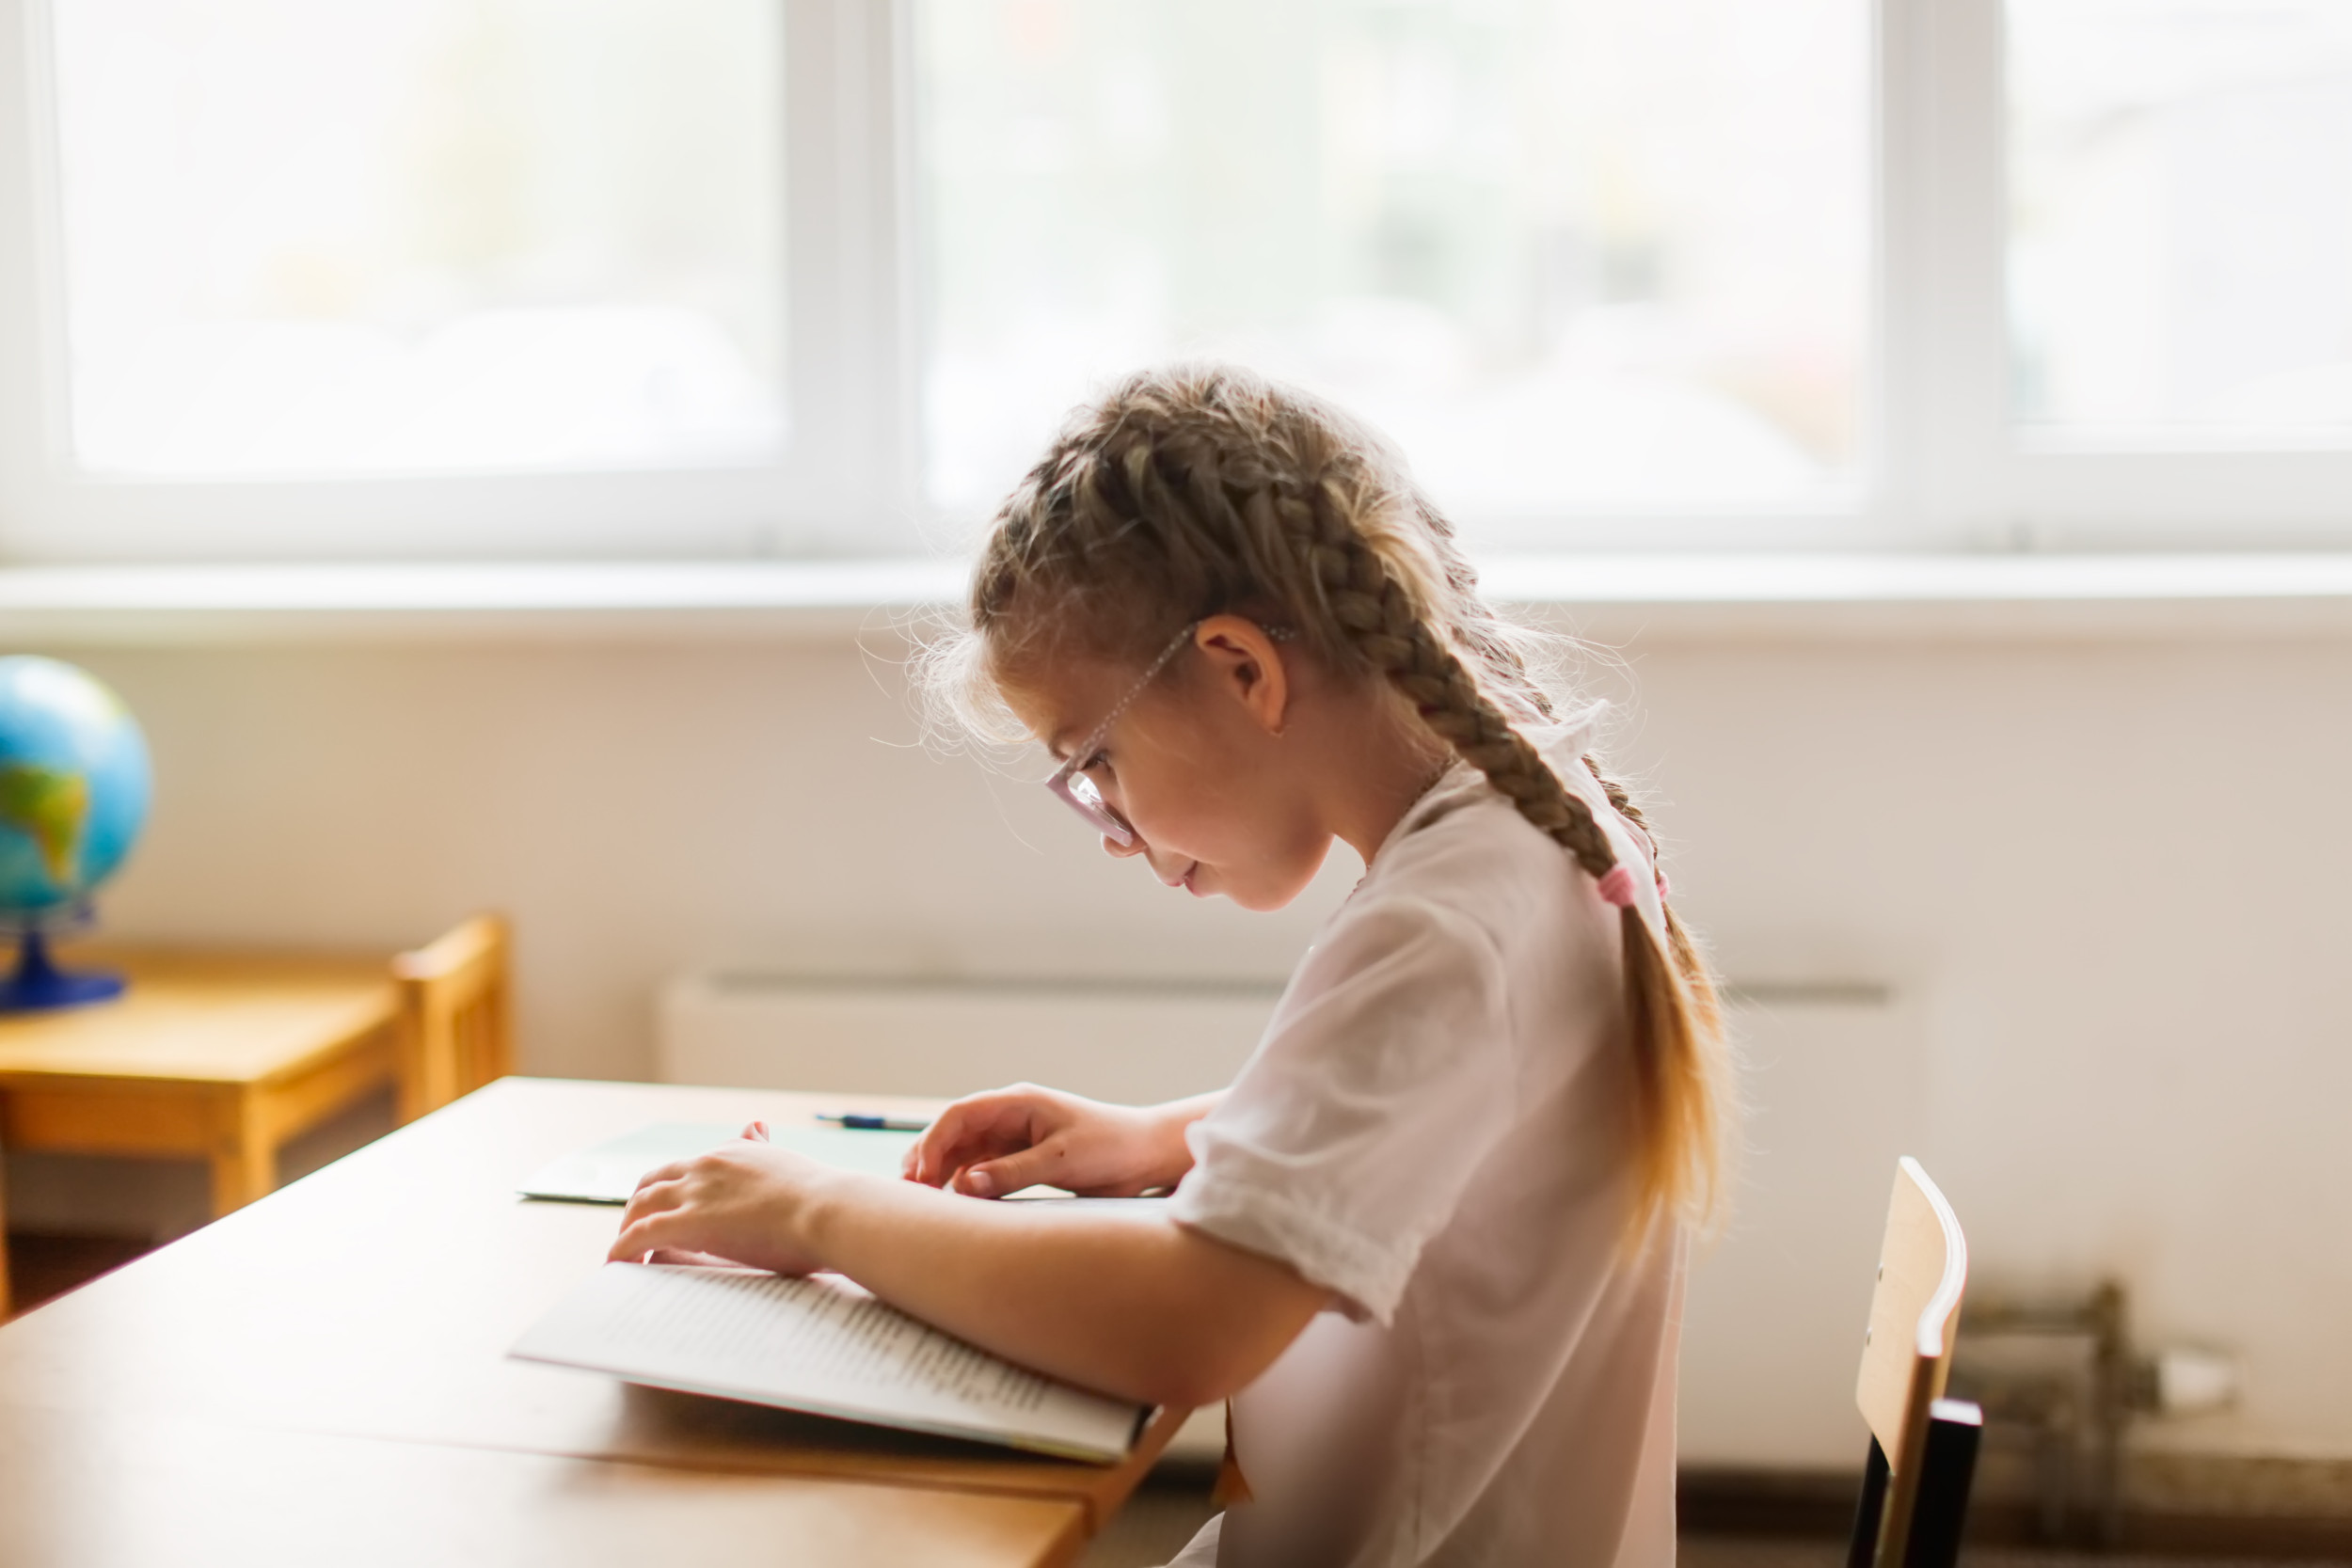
(1923,1447)
(457,1030)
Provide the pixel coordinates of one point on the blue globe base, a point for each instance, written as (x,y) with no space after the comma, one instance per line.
(38,985)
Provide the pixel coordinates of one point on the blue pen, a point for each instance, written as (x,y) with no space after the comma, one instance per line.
(875,1124)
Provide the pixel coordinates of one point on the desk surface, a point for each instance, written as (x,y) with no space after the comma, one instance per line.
(190,1016)
(207,1493)
(375,1300)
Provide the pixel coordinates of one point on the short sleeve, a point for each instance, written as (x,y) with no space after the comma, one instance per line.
(1351,1135)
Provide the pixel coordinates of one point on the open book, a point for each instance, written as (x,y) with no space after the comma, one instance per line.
(820,1344)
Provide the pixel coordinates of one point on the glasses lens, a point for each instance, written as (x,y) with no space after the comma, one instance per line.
(1090,802)
(1080,792)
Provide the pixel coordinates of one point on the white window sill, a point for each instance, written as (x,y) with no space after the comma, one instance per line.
(1612,597)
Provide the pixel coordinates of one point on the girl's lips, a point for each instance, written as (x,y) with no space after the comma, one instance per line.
(1190,872)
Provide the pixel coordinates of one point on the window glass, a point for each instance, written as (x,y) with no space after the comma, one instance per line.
(2180,255)
(1578,256)
(334,237)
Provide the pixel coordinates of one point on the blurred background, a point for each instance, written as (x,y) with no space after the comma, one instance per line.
(1938,418)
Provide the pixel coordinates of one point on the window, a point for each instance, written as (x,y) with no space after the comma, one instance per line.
(435,236)
(385,278)
(1577,255)
(516,277)
(2181,222)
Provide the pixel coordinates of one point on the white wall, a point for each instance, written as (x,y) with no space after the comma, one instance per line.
(2105,882)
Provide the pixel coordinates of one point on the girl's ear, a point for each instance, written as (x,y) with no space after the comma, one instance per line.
(1246,666)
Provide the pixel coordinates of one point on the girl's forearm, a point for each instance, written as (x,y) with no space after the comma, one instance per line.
(1133,1304)
(1174,1116)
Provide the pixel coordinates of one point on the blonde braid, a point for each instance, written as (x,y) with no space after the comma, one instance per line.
(1689,958)
(1670,1000)
(1387,627)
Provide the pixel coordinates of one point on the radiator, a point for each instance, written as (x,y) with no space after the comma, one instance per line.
(1132,1041)
(1834,1077)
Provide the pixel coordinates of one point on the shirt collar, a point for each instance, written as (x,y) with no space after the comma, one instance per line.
(1563,745)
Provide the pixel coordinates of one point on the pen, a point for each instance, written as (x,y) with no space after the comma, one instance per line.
(874,1124)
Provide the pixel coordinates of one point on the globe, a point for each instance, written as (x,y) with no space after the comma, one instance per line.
(73,793)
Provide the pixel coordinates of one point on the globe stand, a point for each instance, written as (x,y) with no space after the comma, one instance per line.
(38,985)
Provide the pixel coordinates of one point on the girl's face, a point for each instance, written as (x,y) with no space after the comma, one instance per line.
(1203,765)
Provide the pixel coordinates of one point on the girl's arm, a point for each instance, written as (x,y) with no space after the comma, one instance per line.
(989,1145)
(1133,1304)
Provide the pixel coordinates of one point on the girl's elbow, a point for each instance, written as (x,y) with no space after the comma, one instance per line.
(1220,1320)
(1212,1360)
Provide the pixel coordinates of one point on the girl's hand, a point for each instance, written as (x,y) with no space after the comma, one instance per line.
(744,1202)
(987,1144)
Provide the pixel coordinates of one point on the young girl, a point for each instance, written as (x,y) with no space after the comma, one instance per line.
(1430,1242)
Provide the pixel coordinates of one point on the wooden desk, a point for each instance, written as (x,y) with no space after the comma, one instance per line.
(206,1495)
(375,1300)
(221,1057)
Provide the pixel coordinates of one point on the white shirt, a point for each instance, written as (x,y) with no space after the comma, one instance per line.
(1436,1128)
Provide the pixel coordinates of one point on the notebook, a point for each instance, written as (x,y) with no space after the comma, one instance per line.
(609,1172)
(823,1345)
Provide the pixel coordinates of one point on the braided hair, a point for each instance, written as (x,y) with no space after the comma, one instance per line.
(1199,490)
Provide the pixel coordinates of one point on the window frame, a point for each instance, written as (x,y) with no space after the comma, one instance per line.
(1964,473)
(831,494)
(1941,469)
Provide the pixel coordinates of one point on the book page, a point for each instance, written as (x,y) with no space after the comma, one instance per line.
(820,1344)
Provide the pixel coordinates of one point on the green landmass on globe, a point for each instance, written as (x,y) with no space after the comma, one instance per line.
(48,805)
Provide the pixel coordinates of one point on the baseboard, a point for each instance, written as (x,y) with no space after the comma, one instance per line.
(2176,1505)
(1802,1504)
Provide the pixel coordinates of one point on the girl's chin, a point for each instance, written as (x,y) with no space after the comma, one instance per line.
(1258,896)
(1258,900)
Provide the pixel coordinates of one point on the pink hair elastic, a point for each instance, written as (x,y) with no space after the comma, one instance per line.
(1617,886)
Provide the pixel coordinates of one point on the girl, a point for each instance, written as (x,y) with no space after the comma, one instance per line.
(1430,1242)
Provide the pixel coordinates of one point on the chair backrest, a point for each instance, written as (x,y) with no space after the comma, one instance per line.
(456,1029)
(1923,1445)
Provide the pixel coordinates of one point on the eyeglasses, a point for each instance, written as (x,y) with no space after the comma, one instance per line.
(1070,780)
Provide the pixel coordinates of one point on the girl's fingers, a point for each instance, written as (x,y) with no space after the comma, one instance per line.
(691,1260)
(656,1198)
(979,1127)
(996,1125)
(946,1146)
(963,1157)
(671,1229)
(952,1125)
(1025,1168)
(670,1172)
(922,1160)
(756,1131)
